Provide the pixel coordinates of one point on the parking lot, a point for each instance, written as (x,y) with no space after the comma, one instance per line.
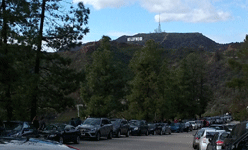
(175,141)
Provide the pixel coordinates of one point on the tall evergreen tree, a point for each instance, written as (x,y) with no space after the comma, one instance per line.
(144,86)
(103,89)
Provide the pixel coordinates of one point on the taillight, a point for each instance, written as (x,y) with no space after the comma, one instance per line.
(219,142)
(196,138)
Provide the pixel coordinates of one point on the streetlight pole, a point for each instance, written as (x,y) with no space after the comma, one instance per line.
(78,108)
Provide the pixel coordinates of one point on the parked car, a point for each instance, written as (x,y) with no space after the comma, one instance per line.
(188,127)
(240,143)
(237,134)
(206,135)
(62,133)
(120,127)
(176,127)
(17,129)
(96,128)
(194,125)
(7,143)
(216,142)
(166,129)
(154,129)
(199,123)
(196,138)
(138,127)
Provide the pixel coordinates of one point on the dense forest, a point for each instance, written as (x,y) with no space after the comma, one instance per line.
(110,79)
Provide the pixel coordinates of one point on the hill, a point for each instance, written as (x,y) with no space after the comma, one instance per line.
(173,40)
(176,47)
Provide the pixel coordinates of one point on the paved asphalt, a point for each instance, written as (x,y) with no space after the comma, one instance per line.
(175,141)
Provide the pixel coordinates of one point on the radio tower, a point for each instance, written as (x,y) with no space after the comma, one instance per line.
(158,30)
(159,26)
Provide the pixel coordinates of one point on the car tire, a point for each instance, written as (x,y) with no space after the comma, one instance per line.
(110,135)
(118,134)
(61,140)
(77,141)
(128,133)
(154,133)
(98,136)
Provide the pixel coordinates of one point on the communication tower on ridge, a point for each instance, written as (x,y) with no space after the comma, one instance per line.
(158,30)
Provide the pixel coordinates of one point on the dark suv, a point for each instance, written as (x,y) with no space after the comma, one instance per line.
(121,127)
(96,128)
(237,136)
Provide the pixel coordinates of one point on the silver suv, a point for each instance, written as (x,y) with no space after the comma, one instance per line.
(96,128)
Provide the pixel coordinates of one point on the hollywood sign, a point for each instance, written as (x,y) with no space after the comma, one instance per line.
(131,39)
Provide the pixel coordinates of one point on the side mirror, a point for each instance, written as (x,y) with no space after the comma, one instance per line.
(210,139)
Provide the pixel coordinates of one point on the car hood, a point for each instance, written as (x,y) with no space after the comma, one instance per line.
(87,126)
(132,127)
(31,144)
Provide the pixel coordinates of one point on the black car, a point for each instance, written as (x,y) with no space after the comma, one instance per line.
(96,128)
(154,128)
(138,127)
(17,129)
(238,133)
(62,133)
(120,127)
(216,142)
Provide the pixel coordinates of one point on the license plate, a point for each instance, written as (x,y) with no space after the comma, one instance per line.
(83,134)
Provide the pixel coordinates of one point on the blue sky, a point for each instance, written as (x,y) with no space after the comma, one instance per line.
(223,21)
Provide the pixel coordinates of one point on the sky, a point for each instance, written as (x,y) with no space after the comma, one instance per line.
(223,21)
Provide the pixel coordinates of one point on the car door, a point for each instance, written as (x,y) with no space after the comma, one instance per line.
(104,127)
(125,126)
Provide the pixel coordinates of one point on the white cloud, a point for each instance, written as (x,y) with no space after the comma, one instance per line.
(118,34)
(100,4)
(170,10)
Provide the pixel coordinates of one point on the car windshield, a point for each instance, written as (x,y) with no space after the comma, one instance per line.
(92,121)
(151,125)
(16,126)
(135,123)
(114,121)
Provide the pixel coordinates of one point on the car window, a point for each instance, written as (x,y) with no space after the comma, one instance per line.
(223,136)
(210,134)
(105,122)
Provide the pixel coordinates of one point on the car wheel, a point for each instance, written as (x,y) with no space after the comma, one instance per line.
(147,133)
(119,134)
(98,136)
(127,135)
(110,136)
(61,140)
(77,141)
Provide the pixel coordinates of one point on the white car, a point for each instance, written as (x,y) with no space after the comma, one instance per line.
(194,125)
(207,133)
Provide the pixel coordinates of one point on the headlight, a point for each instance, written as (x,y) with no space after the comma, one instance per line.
(136,128)
(94,129)
(52,135)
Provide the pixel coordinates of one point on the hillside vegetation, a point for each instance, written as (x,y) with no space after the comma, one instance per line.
(178,80)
